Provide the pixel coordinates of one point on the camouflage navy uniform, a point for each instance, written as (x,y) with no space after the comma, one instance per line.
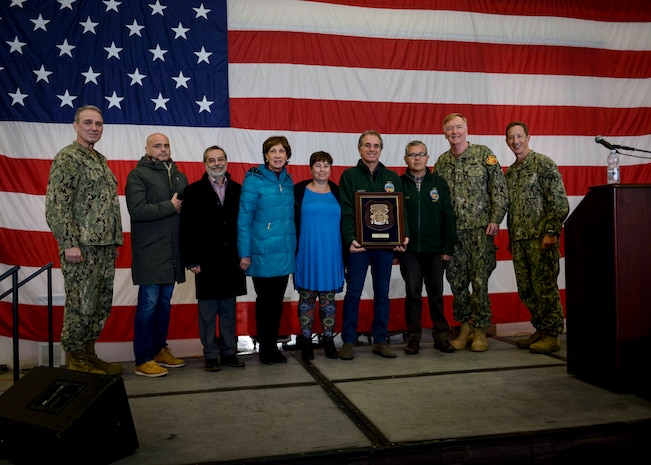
(82,210)
(537,204)
(479,197)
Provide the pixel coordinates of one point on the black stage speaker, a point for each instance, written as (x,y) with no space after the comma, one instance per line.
(54,415)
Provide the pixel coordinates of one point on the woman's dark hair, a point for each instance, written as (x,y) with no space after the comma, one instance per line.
(320,156)
(275,140)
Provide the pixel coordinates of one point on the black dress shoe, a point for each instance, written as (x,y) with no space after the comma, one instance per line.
(266,357)
(277,357)
(444,346)
(233,361)
(413,347)
(211,364)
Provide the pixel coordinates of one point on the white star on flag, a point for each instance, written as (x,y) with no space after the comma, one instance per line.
(114,100)
(90,75)
(18,97)
(65,48)
(160,102)
(113,51)
(67,99)
(16,46)
(89,26)
(40,23)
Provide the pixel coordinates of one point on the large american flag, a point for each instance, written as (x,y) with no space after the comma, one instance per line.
(320,72)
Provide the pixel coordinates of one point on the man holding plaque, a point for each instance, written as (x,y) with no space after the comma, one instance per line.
(433,233)
(480,200)
(369,176)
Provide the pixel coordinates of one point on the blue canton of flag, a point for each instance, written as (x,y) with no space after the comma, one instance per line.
(156,62)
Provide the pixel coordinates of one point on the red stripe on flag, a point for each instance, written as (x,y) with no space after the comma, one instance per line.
(30,176)
(506,307)
(36,249)
(426,118)
(433,55)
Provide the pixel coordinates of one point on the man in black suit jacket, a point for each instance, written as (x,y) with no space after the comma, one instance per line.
(209,250)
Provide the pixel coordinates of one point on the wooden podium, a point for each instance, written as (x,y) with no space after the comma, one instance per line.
(608,288)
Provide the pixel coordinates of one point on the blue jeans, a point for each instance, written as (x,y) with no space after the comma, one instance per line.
(381,262)
(152,321)
(208,311)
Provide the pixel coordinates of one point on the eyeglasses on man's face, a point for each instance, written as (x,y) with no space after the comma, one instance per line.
(417,155)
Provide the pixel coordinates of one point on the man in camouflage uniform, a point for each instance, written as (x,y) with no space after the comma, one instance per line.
(82,210)
(537,208)
(480,200)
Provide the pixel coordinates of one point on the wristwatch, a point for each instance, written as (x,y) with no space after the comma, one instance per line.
(551,232)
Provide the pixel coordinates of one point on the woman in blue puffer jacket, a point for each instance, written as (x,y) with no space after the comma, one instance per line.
(267,240)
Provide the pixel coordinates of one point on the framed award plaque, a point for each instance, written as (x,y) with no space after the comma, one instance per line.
(379,219)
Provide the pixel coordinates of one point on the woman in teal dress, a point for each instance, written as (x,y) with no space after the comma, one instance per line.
(319,261)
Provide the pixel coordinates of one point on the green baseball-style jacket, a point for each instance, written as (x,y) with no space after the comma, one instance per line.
(431,217)
(360,179)
(537,198)
(81,201)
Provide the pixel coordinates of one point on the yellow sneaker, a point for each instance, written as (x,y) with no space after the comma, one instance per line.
(166,359)
(151,369)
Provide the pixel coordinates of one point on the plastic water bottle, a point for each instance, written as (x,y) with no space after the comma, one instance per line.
(613,168)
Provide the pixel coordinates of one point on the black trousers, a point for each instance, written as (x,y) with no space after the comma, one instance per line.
(270,293)
(418,268)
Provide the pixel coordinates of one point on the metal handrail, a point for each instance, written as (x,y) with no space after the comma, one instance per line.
(15,285)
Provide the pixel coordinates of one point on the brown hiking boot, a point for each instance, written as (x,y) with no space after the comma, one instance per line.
(383,350)
(79,362)
(545,345)
(524,343)
(464,338)
(112,369)
(346,352)
(479,340)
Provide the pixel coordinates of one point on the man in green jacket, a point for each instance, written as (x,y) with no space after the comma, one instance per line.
(538,207)
(154,190)
(369,175)
(431,243)
(83,212)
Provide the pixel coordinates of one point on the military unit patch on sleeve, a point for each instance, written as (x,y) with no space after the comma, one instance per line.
(491,160)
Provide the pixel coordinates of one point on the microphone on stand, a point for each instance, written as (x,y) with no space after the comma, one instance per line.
(609,146)
(605,143)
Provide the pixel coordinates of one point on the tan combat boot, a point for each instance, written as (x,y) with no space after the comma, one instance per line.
(112,369)
(79,362)
(524,343)
(547,344)
(464,338)
(479,340)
